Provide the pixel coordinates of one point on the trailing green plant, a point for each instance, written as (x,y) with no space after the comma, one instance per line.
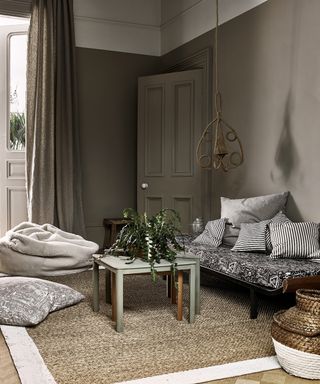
(17,130)
(151,238)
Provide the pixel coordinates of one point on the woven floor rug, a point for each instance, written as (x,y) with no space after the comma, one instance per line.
(80,346)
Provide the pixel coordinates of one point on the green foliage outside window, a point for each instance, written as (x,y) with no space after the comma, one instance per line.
(17,131)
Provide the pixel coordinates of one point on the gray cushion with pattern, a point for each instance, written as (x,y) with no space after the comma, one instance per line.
(294,240)
(280,217)
(212,234)
(252,237)
(27,301)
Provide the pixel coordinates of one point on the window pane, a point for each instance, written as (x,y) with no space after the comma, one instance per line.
(17,91)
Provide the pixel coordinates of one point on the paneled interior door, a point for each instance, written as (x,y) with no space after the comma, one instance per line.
(13,201)
(169,126)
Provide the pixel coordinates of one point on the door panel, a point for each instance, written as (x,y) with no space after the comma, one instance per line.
(183,127)
(154,131)
(153,204)
(13,200)
(169,126)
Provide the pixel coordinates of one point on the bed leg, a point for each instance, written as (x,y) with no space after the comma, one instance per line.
(253,304)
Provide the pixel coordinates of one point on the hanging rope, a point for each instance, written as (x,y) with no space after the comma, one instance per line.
(218,134)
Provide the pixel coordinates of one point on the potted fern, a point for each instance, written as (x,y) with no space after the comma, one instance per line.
(150,238)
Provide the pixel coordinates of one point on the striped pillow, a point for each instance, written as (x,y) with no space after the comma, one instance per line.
(212,234)
(280,217)
(294,240)
(252,237)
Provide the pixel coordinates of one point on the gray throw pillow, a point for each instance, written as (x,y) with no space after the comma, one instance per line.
(280,217)
(212,234)
(295,240)
(252,209)
(27,301)
(230,235)
(252,237)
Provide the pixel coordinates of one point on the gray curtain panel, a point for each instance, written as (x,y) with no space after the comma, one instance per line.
(52,142)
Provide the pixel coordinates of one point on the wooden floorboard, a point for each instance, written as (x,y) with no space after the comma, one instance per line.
(8,373)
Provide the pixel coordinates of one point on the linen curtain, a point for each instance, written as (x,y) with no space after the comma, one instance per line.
(52,141)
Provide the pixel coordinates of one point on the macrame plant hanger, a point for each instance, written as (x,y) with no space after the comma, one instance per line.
(219,146)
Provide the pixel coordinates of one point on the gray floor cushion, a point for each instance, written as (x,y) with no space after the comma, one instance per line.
(27,301)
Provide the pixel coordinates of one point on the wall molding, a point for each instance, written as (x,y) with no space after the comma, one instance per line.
(117,22)
(116,35)
(156,40)
(198,19)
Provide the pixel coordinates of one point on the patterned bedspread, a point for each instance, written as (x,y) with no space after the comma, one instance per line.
(255,268)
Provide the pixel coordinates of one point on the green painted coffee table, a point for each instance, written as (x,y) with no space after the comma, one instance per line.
(118,268)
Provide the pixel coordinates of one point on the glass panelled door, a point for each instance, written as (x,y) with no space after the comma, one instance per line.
(13,63)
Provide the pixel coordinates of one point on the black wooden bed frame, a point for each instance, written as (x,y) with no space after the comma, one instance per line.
(254,289)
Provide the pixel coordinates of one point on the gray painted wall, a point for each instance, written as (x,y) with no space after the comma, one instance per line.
(270,82)
(108,123)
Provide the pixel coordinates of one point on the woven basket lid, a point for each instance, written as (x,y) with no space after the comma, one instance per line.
(298,321)
(304,318)
(308,300)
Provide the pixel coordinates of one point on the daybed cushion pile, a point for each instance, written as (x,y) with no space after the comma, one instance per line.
(43,250)
(254,268)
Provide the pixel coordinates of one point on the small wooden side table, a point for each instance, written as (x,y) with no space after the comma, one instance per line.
(118,268)
(111,229)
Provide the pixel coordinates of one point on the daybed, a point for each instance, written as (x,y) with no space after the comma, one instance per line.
(256,271)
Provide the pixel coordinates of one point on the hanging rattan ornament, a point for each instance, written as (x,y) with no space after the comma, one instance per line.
(219,145)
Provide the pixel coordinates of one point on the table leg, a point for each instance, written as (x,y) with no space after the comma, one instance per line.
(113,296)
(119,300)
(95,278)
(108,286)
(113,235)
(173,294)
(180,295)
(168,285)
(197,277)
(192,286)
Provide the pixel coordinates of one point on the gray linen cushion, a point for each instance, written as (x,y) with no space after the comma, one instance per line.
(27,301)
(280,217)
(252,237)
(230,235)
(212,234)
(294,240)
(252,209)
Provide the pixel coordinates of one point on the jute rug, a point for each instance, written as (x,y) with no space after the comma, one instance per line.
(80,346)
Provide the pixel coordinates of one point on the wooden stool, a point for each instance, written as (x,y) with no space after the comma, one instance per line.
(111,229)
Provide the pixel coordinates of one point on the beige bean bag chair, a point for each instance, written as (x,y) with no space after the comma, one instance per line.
(44,250)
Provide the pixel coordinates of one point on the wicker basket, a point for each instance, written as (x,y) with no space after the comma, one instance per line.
(296,335)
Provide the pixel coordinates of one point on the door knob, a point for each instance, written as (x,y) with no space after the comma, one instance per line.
(144,185)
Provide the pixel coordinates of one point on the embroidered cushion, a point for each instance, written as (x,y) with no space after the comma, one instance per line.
(252,237)
(252,209)
(27,301)
(212,234)
(294,240)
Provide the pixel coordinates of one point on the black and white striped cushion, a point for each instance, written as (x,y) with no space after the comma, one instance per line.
(280,217)
(294,240)
(212,234)
(252,237)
